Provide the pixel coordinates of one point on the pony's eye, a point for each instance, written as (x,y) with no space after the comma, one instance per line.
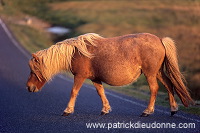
(37,61)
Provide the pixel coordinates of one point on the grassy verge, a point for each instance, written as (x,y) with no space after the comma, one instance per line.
(178,19)
(30,38)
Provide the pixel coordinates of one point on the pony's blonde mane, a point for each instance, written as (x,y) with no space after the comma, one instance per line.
(58,57)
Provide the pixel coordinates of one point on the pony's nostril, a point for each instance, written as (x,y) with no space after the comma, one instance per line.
(31,88)
(28,88)
(34,89)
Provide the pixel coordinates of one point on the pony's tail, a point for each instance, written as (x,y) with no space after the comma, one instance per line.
(173,72)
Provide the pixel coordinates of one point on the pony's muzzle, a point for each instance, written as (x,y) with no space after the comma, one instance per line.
(32,88)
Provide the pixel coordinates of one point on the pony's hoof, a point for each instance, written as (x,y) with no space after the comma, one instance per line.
(144,115)
(65,114)
(103,113)
(173,112)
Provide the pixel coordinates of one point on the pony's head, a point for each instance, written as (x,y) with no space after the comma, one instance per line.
(48,62)
(36,80)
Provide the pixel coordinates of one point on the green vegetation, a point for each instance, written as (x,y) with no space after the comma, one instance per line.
(30,38)
(179,19)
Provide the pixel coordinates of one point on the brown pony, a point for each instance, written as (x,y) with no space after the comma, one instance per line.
(116,61)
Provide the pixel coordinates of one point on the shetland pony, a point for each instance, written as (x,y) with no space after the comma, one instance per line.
(116,61)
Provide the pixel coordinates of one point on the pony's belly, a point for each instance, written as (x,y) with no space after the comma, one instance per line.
(120,79)
(119,82)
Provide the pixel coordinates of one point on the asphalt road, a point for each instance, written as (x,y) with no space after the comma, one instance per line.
(24,112)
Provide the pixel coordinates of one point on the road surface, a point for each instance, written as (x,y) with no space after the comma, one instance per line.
(24,112)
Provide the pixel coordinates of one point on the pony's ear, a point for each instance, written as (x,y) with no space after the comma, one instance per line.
(36,58)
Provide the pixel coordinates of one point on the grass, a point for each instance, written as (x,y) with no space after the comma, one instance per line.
(178,19)
(30,38)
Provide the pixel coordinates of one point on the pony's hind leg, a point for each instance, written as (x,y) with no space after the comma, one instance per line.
(169,86)
(153,85)
(78,81)
(100,90)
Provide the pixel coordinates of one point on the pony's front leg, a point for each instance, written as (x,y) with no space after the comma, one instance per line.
(100,90)
(153,85)
(78,82)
